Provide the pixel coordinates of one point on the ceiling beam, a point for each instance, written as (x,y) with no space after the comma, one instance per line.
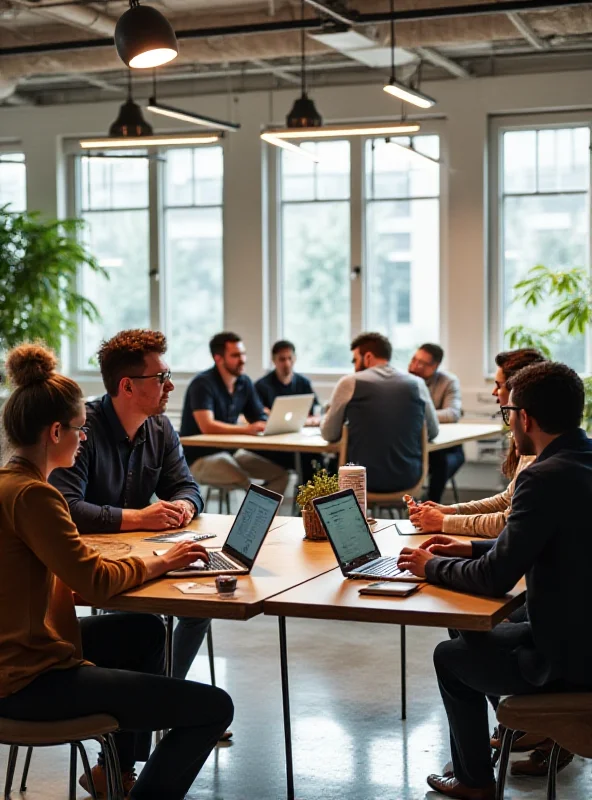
(445,63)
(271,68)
(527,32)
(338,16)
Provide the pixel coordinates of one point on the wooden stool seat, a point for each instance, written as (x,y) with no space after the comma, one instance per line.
(37,734)
(566,718)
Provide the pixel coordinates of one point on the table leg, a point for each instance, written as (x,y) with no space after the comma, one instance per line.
(286,708)
(168,658)
(403,672)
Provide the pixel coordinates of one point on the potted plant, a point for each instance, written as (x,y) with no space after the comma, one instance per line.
(321,484)
(39,263)
(570,295)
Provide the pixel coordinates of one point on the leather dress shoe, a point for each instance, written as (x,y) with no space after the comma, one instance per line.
(521,744)
(537,763)
(450,787)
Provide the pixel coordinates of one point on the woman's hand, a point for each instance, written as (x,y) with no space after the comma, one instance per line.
(178,556)
(426,518)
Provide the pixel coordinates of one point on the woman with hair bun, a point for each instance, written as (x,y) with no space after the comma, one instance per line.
(54,667)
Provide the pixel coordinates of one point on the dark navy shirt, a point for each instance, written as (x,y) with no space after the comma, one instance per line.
(112,473)
(208,392)
(270,386)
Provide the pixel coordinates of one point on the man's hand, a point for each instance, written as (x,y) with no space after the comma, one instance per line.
(312,421)
(160,516)
(253,428)
(183,554)
(414,560)
(448,547)
(425,518)
(187,508)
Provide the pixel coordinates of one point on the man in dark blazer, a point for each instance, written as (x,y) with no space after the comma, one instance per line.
(547,540)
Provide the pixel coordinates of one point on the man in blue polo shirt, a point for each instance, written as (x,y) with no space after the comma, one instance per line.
(213,403)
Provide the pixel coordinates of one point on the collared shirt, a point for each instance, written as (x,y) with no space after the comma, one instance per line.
(547,539)
(445,391)
(208,392)
(270,386)
(112,473)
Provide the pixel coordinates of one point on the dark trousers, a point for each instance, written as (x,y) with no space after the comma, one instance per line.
(443,465)
(125,647)
(469,668)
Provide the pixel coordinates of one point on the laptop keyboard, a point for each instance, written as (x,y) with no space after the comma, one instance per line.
(385,567)
(217,561)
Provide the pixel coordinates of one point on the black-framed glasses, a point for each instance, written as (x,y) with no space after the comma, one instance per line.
(163,377)
(505,412)
(80,428)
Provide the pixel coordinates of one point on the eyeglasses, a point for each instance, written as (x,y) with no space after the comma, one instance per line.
(80,428)
(505,412)
(163,377)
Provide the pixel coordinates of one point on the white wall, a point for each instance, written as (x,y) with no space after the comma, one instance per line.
(464,106)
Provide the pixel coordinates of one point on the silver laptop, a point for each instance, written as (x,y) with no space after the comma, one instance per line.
(288,413)
(353,544)
(249,529)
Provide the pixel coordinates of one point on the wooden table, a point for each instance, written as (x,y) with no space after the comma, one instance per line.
(310,440)
(331,596)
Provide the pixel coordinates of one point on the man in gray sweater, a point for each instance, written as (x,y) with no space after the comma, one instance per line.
(444,388)
(385,410)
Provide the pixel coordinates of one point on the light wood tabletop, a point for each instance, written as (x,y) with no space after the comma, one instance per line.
(331,596)
(309,440)
(285,560)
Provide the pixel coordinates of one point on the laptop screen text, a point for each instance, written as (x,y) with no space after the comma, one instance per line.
(251,524)
(347,528)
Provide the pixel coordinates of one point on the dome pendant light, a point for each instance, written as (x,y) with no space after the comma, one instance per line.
(400,90)
(304,113)
(144,38)
(130,121)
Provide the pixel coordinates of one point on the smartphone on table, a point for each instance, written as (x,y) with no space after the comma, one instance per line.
(390,588)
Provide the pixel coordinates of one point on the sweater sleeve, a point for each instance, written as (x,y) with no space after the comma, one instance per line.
(487,525)
(43,522)
(332,423)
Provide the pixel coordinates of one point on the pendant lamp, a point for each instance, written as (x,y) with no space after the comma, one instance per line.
(400,90)
(144,38)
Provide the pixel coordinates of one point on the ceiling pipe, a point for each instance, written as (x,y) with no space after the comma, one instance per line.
(408,15)
(79,16)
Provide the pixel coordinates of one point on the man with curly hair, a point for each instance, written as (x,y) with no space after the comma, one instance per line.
(131,454)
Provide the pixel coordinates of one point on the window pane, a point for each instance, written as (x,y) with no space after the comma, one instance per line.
(520,156)
(402,256)
(394,169)
(119,240)
(564,159)
(316,285)
(193,238)
(193,284)
(13,187)
(550,230)
(120,244)
(303,179)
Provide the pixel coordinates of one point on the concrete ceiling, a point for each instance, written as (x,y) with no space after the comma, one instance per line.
(60,51)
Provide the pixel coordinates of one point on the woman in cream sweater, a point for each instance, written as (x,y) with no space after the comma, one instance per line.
(46,669)
(483,518)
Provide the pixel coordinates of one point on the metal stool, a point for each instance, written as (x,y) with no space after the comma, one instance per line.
(223,495)
(100,727)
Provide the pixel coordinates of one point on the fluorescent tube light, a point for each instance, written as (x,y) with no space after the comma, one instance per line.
(413,155)
(147,141)
(295,148)
(348,129)
(409,95)
(156,107)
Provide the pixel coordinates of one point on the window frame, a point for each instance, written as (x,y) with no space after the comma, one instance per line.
(358,266)
(498,126)
(10,148)
(157,265)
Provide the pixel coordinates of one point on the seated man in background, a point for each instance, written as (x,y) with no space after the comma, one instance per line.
(445,391)
(385,410)
(282,381)
(546,540)
(486,518)
(213,403)
(130,454)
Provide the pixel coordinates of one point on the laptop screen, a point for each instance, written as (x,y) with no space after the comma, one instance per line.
(346,527)
(252,523)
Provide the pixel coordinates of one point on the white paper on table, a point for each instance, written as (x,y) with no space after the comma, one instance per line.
(196,588)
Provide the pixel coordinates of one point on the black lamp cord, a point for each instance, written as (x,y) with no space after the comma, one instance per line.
(302,50)
(129,86)
(393,77)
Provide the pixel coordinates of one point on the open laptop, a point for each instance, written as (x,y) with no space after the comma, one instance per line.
(249,529)
(353,544)
(288,413)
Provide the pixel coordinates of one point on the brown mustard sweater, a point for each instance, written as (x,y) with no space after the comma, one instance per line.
(485,518)
(42,560)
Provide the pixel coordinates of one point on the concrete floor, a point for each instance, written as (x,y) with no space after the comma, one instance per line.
(349,742)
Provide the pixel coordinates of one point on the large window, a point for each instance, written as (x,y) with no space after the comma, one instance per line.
(315,254)
(154,223)
(403,242)
(543,217)
(13,181)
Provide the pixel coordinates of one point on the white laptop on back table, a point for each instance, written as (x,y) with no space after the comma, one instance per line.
(288,413)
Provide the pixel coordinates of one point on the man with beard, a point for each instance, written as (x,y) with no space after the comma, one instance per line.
(385,410)
(544,539)
(213,403)
(131,454)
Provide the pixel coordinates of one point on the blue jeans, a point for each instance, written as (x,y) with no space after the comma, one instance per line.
(187,638)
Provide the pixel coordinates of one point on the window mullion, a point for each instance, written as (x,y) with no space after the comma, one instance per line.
(155,261)
(356,206)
